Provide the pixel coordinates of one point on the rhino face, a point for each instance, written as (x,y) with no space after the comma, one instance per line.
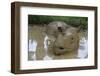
(62,38)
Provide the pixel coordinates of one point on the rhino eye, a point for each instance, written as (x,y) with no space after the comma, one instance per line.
(72,38)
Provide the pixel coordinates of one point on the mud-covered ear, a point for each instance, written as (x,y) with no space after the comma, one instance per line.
(60,29)
(79,28)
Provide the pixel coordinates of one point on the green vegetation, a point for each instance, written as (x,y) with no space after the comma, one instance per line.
(71,20)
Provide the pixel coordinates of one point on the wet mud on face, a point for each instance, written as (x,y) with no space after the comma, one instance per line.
(38,50)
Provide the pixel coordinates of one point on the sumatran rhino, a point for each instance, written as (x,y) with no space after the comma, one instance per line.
(62,38)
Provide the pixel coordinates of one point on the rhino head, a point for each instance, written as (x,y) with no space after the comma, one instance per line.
(62,38)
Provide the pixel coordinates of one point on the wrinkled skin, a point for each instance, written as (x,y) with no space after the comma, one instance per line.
(62,38)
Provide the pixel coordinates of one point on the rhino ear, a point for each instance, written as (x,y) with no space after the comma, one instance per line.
(67,27)
(79,28)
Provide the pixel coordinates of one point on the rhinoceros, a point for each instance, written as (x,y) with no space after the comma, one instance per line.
(62,38)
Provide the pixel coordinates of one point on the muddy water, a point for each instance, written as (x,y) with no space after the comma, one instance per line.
(38,49)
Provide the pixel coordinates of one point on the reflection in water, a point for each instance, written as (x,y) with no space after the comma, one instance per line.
(32,49)
(82,51)
(46,57)
(32,45)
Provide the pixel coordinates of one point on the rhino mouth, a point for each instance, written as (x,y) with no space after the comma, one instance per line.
(61,48)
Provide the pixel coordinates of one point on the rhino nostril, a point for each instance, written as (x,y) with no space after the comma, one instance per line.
(61,48)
